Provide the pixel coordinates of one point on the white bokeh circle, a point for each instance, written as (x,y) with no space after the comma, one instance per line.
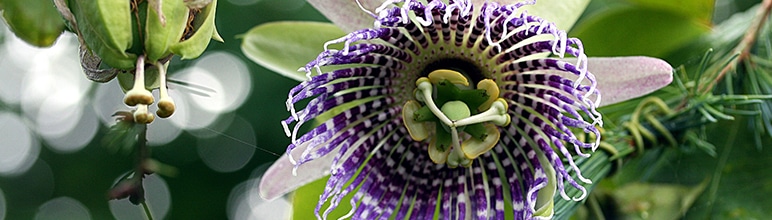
(231,150)
(62,208)
(19,150)
(157,197)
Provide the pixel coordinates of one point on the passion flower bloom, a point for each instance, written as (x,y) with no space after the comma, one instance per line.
(453,106)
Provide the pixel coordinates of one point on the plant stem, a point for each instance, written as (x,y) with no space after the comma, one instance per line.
(745,45)
(139,171)
(147,210)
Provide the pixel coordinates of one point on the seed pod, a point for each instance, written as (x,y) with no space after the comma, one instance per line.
(203,30)
(162,34)
(106,28)
(35,21)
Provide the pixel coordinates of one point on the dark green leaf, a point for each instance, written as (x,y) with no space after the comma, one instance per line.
(701,10)
(637,31)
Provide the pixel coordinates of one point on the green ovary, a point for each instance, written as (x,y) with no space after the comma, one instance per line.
(465,125)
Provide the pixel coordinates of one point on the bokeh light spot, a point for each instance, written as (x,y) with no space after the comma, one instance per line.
(19,149)
(62,208)
(107,100)
(244,202)
(79,136)
(187,115)
(227,75)
(157,197)
(162,131)
(231,150)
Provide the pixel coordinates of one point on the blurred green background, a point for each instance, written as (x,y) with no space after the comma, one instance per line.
(219,152)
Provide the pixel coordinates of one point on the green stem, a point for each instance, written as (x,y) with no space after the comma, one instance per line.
(743,49)
(147,210)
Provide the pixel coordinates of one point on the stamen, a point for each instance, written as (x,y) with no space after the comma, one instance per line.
(455,115)
(457,157)
(165,103)
(474,147)
(142,116)
(425,90)
(496,114)
(437,155)
(417,130)
(492,89)
(138,94)
(437,76)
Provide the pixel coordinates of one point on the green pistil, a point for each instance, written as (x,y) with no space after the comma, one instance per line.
(475,112)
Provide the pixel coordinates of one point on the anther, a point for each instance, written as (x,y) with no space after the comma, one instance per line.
(138,94)
(165,103)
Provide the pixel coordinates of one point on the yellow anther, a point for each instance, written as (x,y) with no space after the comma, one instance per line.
(165,107)
(418,130)
(442,74)
(420,81)
(474,147)
(142,116)
(492,89)
(137,96)
(437,156)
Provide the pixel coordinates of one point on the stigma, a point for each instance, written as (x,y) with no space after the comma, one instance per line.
(459,121)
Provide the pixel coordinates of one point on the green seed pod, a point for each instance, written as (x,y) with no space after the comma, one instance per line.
(204,30)
(106,28)
(162,34)
(35,21)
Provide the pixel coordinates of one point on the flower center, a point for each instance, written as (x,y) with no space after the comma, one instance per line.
(459,121)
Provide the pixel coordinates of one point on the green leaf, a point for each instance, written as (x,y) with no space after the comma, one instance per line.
(284,47)
(306,198)
(637,31)
(162,34)
(701,10)
(35,21)
(563,13)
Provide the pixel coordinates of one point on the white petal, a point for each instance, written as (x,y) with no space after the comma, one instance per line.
(278,179)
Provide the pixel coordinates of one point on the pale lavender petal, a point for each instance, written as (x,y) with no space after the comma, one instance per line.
(346,13)
(623,78)
(279,179)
